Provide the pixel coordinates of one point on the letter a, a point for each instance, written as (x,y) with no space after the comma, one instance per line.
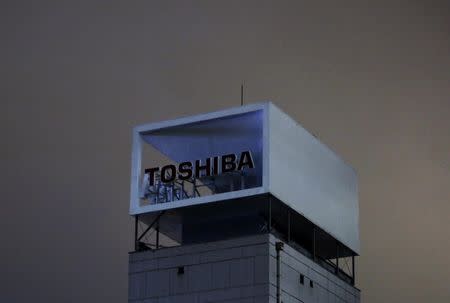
(246,160)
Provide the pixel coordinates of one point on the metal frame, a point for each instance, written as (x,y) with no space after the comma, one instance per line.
(272,227)
(327,264)
(138,238)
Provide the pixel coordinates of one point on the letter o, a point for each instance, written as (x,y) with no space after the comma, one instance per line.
(165,178)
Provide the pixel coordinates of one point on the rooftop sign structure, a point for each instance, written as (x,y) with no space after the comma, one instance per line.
(242,152)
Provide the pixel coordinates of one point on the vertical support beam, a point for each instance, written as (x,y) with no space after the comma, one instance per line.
(157,234)
(182,190)
(278,248)
(269,206)
(136,225)
(314,243)
(194,187)
(337,258)
(353,269)
(166,197)
(242,180)
(289,226)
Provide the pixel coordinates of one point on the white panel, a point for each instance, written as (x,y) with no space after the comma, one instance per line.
(312,179)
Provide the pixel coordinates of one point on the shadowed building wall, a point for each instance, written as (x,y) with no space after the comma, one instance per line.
(241,270)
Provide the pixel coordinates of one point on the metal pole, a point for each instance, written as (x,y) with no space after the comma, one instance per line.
(270,214)
(136,223)
(278,248)
(182,190)
(353,269)
(157,235)
(337,258)
(289,225)
(242,93)
(314,243)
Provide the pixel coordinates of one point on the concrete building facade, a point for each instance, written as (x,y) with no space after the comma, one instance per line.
(240,270)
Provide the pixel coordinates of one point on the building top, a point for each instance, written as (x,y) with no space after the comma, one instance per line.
(239,152)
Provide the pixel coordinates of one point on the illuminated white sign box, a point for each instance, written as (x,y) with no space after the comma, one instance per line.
(289,163)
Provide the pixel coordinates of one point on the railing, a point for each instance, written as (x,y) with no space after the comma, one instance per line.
(163,192)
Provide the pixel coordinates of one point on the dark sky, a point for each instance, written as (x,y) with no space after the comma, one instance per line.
(371,80)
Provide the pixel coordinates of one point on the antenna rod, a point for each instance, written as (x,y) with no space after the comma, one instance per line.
(242,93)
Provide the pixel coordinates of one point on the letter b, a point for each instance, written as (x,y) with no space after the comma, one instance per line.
(228,163)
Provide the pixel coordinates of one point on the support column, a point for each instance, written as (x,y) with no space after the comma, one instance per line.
(314,243)
(337,258)
(269,206)
(157,235)
(289,226)
(353,270)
